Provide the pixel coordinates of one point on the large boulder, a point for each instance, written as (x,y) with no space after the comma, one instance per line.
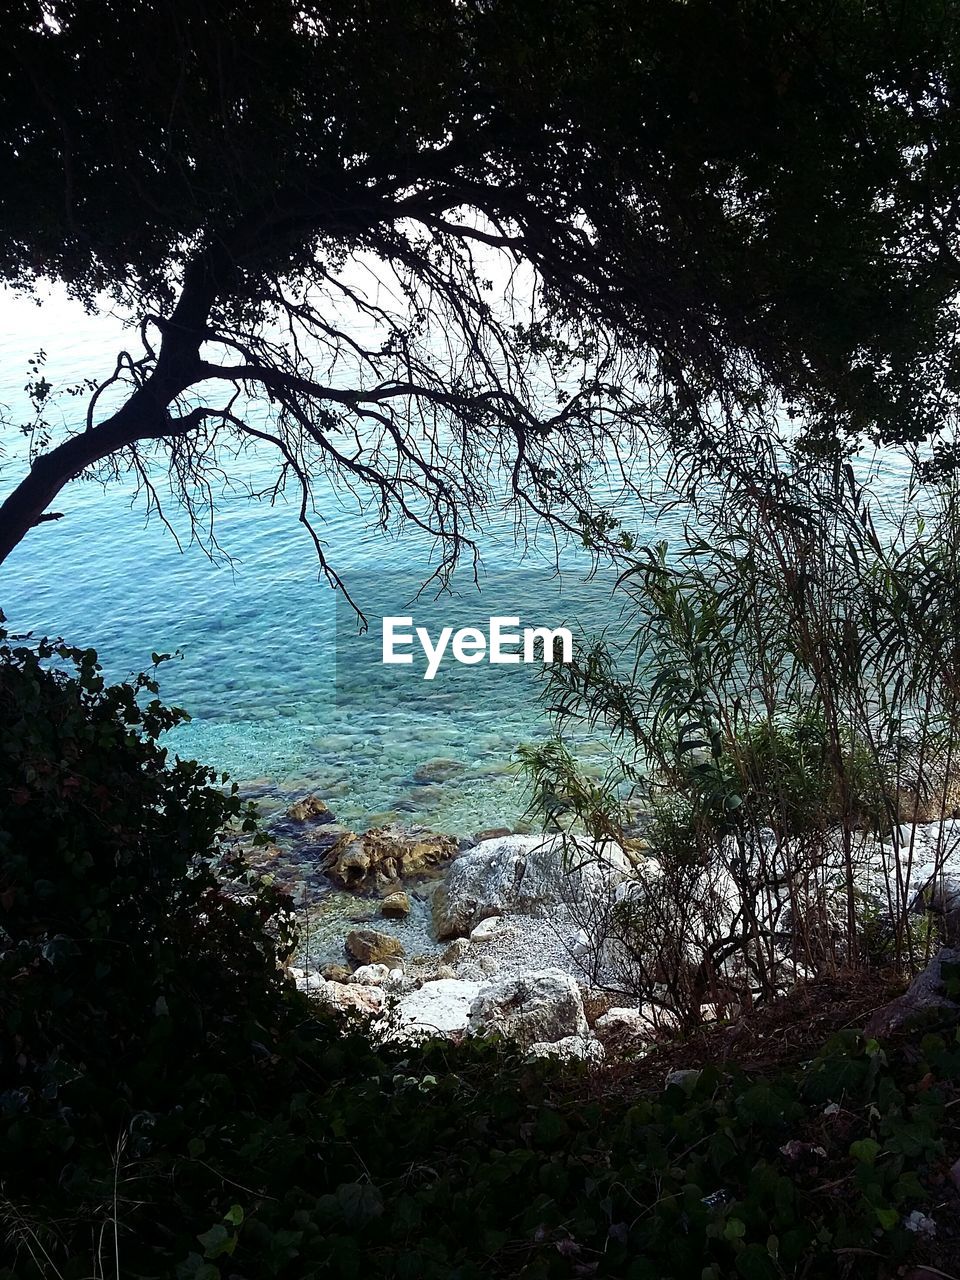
(543,1005)
(524,874)
(924,1002)
(369,946)
(438,1008)
(385,855)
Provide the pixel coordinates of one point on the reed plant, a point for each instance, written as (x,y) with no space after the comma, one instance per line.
(783,704)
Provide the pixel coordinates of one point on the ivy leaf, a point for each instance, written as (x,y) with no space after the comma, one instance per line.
(217,1241)
(866,1150)
(359,1202)
(887,1218)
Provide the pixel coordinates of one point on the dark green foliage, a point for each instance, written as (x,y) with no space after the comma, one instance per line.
(728,213)
(170,1107)
(127,973)
(757,178)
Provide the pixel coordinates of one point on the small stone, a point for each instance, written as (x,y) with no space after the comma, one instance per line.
(395,906)
(456,951)
(310,809)
(371,975)
(486,930)
(488,965)
(369,946)
(920,1223)
(336,973)
(685,1080)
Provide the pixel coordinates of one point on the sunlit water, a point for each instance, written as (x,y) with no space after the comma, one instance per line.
(281,689)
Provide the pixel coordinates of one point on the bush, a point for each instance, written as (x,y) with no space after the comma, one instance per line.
(171,1107)
(128,970)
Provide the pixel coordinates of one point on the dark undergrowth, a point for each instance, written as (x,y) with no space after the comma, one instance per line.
(169,1106)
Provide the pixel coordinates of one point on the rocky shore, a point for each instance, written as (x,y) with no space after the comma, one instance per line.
(421,933)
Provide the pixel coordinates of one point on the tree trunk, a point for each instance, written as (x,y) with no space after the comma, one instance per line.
(140,418)
(145,416)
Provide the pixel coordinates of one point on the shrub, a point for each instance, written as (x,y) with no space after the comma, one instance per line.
(129,971)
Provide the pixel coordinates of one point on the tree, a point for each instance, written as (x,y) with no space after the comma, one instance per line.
(597,223)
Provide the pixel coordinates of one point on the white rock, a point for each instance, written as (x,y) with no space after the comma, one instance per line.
(622,1021)
(580,944)
(525,874)
(485,930)
(540,1005)
(372,975)
(569,1049)
(437,1008)
(311,982)
(355,996)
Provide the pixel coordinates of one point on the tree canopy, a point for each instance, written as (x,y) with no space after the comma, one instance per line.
(418,247)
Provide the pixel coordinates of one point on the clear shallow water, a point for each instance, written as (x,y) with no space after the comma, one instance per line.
(282,691)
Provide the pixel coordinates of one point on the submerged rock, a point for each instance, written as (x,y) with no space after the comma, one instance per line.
(524,874)
(369,946)
(385,855)
(310,809)
(439,770)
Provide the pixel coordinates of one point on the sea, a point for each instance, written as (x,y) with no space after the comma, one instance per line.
(286,691)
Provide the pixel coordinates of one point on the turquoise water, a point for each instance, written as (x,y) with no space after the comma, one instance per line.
(283,692)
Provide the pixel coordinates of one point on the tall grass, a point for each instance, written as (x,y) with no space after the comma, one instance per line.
(784,698)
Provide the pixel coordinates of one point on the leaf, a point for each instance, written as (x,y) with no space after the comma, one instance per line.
(888,1218)
(866,1150)
(754,1263)
(217,1241)
(359,1202)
